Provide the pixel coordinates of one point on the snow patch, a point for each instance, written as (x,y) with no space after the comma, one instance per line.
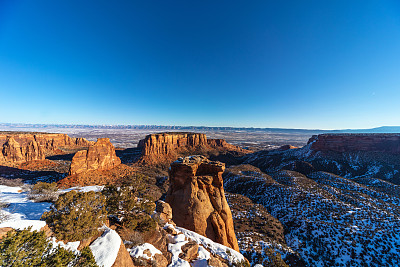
(105,248)
(21,212)
(138,251)
(71,246)
(225,252)
(95,188)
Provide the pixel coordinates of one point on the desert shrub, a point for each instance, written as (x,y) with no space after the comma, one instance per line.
(86,258)
(42,191)
(11,182)
(30,248)
(273,258)
(130,206)
(243,263)
(76,215)
(140,223)
(3,215)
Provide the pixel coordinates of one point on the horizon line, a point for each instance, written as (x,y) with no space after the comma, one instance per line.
(183,126)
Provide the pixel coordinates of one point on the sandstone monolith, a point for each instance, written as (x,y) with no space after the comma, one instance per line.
(196,196)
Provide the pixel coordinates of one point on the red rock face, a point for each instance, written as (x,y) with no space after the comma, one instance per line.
(165,143)
(166,147)
(388,143)
(99,156)
(49,143)
(197,198)
(18,148)
(54,142)
(13,152)
(221,144)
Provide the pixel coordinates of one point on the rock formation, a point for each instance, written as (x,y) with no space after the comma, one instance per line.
(13,152)
(221,144)
(166,143)
(286,147)
(196,195)
(166,147)
(16,147)
(99,156)
(50,143)
(389,143)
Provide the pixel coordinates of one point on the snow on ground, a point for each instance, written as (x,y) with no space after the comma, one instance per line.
(21,212)
(225,252)
(95,188)
(175,247)
(138,251)
(71,246)
(330,220)
(202,259)
(105,248)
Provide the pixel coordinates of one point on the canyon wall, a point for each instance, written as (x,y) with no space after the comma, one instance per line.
(388,143)
(166,147)
(221,144)
(99,156)
(17,148)
(166,143)
(197,198)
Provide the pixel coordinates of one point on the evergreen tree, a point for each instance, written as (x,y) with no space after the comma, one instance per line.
(76,215)
(30,248)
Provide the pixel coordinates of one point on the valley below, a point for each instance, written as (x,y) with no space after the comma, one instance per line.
(276,197)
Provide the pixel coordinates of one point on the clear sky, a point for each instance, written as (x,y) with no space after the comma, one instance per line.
(293,64)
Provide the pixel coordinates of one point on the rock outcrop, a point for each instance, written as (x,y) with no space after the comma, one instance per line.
(123,257)
(166,143)
(221,144)
(196,195)
(388,143)
(50,143)
(99,156)
(14,153)
(16,147)
(167,147)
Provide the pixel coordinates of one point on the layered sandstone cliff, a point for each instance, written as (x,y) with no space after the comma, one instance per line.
(17,147)
(221,144)
(388,143)
(13,152)
(197,198)
(99,156)
(166,147)
(166,143)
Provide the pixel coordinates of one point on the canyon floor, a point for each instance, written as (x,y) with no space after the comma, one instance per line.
(290,205)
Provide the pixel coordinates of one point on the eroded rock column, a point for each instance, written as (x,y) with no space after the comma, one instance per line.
(196,195)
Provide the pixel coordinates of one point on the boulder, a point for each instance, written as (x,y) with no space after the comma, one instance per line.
(4,231)
(189,251)
(123,258)
(197,198)
(163,211)
(99,156)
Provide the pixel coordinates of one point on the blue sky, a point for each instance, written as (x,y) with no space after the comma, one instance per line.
(292,64)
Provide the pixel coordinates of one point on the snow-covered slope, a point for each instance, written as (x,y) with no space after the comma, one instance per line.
(329,220)
(21,212)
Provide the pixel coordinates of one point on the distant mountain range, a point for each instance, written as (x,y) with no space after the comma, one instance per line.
(382,129)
